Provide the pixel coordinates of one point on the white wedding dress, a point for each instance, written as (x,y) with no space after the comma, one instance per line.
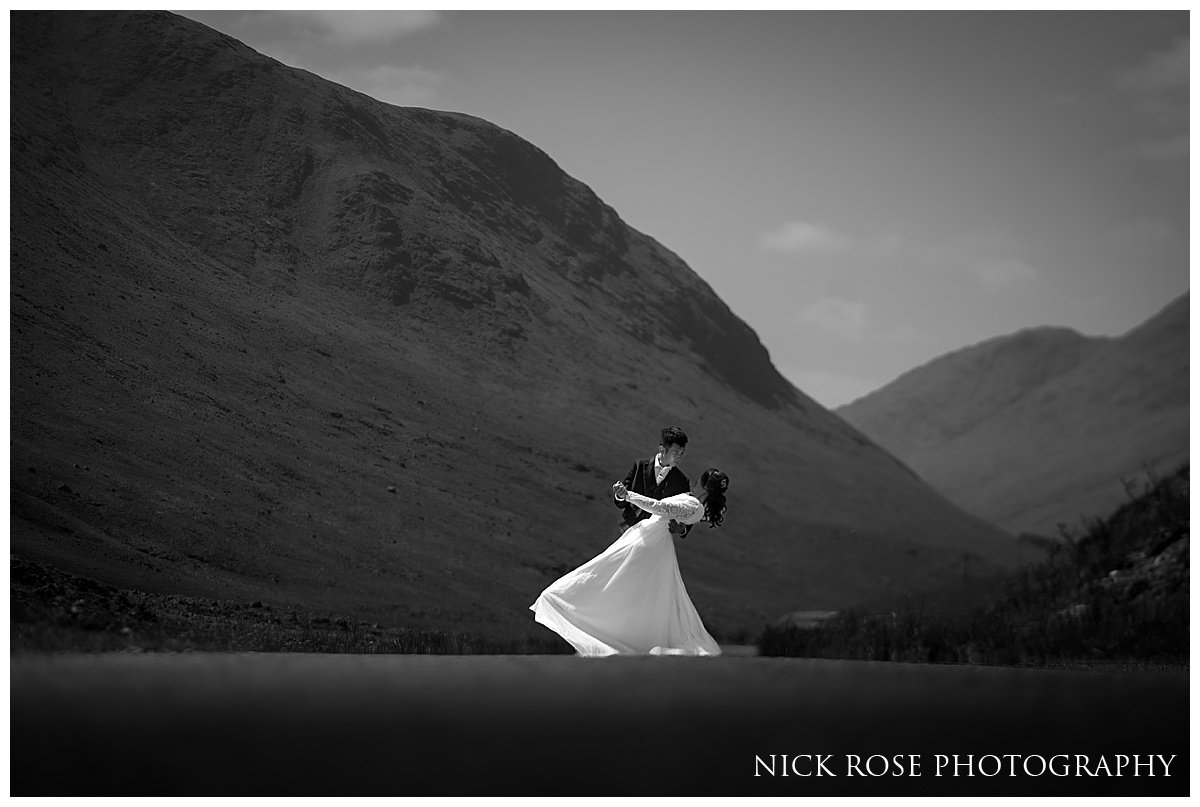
(630,599)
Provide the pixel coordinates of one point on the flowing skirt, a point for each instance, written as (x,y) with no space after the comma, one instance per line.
(629,599)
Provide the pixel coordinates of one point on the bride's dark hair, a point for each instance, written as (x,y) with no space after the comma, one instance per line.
(716,483)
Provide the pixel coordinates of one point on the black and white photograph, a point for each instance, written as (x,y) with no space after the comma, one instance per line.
(564,402)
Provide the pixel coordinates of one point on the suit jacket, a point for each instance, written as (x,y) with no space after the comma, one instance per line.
(640,479)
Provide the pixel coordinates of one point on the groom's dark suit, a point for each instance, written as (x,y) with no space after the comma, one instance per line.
(640,479)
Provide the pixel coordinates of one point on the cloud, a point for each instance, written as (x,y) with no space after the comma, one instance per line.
(989,255)
(1068,100)
(403,86)
(829,389)
(1004,273)
(1165,70)
(1145,234)
(1163,149)
(846,319)
(352,48)
(889,245)
(357,27)
(1159,89)
(801,236)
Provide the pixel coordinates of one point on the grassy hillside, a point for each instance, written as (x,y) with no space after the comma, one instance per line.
(1116,590)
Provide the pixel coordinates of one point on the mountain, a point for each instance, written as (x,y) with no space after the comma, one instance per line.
(1041,427)
(274,340)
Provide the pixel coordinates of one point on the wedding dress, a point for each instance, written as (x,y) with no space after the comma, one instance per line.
(630,599)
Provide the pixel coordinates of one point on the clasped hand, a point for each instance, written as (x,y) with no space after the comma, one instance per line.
(620,493)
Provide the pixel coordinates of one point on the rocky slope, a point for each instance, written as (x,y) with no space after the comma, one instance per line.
(273,340)
(1041,427)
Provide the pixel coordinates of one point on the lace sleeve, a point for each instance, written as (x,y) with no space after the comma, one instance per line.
(686,510)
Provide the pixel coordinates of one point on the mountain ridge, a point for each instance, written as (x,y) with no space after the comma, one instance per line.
(1055,438)
(910,390)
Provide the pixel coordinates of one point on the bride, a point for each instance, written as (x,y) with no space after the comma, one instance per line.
(630,599)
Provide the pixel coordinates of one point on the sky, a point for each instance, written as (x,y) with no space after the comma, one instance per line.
(868,190)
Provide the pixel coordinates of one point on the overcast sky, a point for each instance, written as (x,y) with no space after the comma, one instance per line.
(868,190)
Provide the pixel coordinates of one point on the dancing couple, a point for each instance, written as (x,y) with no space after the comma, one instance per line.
(630,599)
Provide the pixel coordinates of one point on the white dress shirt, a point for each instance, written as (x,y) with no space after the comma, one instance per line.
(660,470)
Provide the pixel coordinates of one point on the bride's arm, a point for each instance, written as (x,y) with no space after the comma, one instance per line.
(686,510)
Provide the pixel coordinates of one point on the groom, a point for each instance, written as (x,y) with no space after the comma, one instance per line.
(658,478)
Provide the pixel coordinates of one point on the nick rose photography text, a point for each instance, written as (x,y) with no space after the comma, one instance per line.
(804,765)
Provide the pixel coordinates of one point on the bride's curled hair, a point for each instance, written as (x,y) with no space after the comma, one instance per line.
(716,482)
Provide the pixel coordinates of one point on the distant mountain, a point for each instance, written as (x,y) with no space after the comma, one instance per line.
(274,340)
(1041,427)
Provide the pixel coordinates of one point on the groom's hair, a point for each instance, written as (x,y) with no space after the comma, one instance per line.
(673,436)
